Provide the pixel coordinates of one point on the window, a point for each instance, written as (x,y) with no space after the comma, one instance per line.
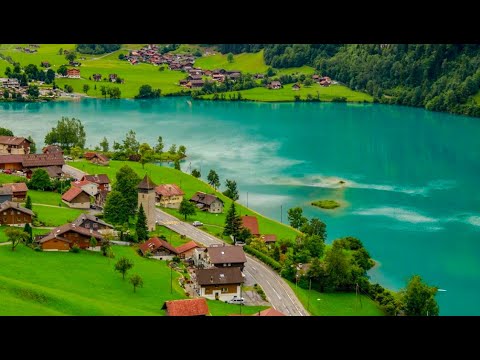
(18,212)
(224,290)
(87,225)
(95,226)
(19,219)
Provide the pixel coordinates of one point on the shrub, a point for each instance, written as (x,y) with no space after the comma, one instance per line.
(75,249)
(37,248)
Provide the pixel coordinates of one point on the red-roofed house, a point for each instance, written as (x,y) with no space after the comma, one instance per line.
(65,236)
(158,248)
(187,307)
(269,238)
(73,73)
(89,155)
(77,198)
(251,223)
(101,179)
(269,312)
(89,187)
(169,195)
(99,159)
(186,251)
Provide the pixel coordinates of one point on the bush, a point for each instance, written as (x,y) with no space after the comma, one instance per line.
(37,248)
(265,258)
(75,249)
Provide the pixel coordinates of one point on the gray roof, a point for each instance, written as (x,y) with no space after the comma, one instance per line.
(82,217)
(219,276)
(202,198)
(226,254)
(14,205)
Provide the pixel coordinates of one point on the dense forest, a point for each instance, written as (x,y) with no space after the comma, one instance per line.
(440,77)
(97,48)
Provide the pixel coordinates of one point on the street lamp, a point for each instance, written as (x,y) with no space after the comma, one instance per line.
(171,275)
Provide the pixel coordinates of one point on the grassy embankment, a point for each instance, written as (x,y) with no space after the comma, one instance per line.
(336,304)
(190,185)
(52,283)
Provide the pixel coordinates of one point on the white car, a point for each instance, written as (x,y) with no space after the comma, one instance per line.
(197,223)
(236,300)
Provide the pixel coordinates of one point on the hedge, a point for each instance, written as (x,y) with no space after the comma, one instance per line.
(265,258)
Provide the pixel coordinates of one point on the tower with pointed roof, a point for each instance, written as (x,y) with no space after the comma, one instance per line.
(146,198)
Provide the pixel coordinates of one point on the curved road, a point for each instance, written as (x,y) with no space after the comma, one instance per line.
(279,294)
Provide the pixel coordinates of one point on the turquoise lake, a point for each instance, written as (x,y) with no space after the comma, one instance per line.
(411,192)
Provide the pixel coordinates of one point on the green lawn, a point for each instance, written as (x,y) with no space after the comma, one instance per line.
(6,178)
(46,197)
(189,184)
(55,283)
(172,237)
(46,52)
(245,62)
(336,304)
(307,70)
(54,216)
(287,94)
(220,308)
(3,237)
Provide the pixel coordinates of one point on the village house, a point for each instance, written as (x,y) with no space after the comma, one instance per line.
(183,82)
(45,64)
(325,81)
(194,77)
(99,159)
(196,84)
(19,190)
(101,179)
(169,196)
(89,187)
(221,257)
(316,78)
(259,76)
(219,284)
(187,250)
(11,213)
(234,75)
(10,83)
(5,194)
(112,77)
(207,202)
(65,236)
(88,155)
(275,85)
(251,223)
(218,77)
(14,145)
(30,161)
(269,238)
(77,198)
(158,248)
(88,221)
(52,149)
(97,77)
(73,73)
(295,87)
(186,307)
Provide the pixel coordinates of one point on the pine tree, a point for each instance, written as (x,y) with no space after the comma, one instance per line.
(141,226)
(28,229)
(28,202)
(233,223)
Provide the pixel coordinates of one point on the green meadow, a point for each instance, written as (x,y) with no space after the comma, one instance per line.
(57,283)
(286,93)
(245,62)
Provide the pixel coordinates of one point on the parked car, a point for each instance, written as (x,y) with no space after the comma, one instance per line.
(197,223)
(7,171)
(236,300)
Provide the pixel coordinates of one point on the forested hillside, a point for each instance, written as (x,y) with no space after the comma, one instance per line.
(441,77)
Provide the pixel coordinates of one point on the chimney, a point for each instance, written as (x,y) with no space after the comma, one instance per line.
(211,279)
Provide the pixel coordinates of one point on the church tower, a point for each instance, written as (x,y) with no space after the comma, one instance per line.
(146,197)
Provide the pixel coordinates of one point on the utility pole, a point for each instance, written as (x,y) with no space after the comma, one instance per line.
(171,275)
(308,297)
(281,213)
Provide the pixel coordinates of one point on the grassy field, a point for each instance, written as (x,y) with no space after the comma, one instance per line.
(3,237)
(6,178)
(46,197)
(336,304)
(55,216)
(307,70)
(53,283)
(246,62)
(220,308)
(326,204)
(172,237)
(190,185)
(287,94)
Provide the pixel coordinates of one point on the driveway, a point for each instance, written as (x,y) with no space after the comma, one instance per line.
(279,294)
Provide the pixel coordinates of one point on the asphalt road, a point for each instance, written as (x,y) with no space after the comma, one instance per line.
(279,294)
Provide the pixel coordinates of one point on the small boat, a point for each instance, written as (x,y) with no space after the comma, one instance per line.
(441,290)
(189,103)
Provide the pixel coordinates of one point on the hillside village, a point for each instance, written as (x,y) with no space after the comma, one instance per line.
(214,272)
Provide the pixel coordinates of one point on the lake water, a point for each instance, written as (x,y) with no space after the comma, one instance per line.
(412,175)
